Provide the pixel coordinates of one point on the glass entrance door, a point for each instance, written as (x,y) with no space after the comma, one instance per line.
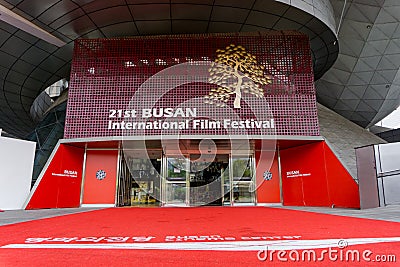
(242,180)
(175,181)
(196,180)
(205,179)
(139,179)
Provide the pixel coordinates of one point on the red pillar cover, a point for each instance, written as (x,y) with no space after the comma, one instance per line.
(99,186)
(268,184)
(60,186)
(343,190)
(313,176)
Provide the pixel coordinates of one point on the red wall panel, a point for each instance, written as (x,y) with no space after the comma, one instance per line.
(303,176)
(313,176)
(343,190)
(96,191)
(268,191)
(60,186)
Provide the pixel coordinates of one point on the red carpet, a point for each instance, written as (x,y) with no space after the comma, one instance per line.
(212,236)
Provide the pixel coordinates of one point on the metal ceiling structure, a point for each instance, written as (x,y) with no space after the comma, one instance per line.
(36,43)
(364,83)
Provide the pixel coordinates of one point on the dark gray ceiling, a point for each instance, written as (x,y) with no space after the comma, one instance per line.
(364,83)
(28,64)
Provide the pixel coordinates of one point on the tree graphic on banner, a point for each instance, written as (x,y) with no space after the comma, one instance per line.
(235,71)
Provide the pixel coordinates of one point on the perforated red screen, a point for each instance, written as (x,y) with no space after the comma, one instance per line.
(106,73)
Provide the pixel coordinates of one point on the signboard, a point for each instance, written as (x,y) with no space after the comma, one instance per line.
(217,84)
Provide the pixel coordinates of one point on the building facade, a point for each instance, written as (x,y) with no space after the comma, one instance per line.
(192,120)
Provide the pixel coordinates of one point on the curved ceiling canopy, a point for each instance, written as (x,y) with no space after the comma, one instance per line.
(30,62)
(364,83)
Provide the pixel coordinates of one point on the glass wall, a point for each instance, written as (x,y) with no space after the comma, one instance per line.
(243,186)
(139,179)
(147,177)
(175,181)
(205,179)
(196,181)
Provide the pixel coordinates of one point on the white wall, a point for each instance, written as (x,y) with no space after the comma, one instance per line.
(16,166)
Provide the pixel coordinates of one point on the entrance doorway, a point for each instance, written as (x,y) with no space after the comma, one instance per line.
(139,179)
(185,177)
(205,179)
(198,180)
(242,180)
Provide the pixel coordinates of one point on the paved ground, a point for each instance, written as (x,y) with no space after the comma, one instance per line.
(389,213)
(16,216)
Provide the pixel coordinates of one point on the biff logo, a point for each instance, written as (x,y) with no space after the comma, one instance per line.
(235,71)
